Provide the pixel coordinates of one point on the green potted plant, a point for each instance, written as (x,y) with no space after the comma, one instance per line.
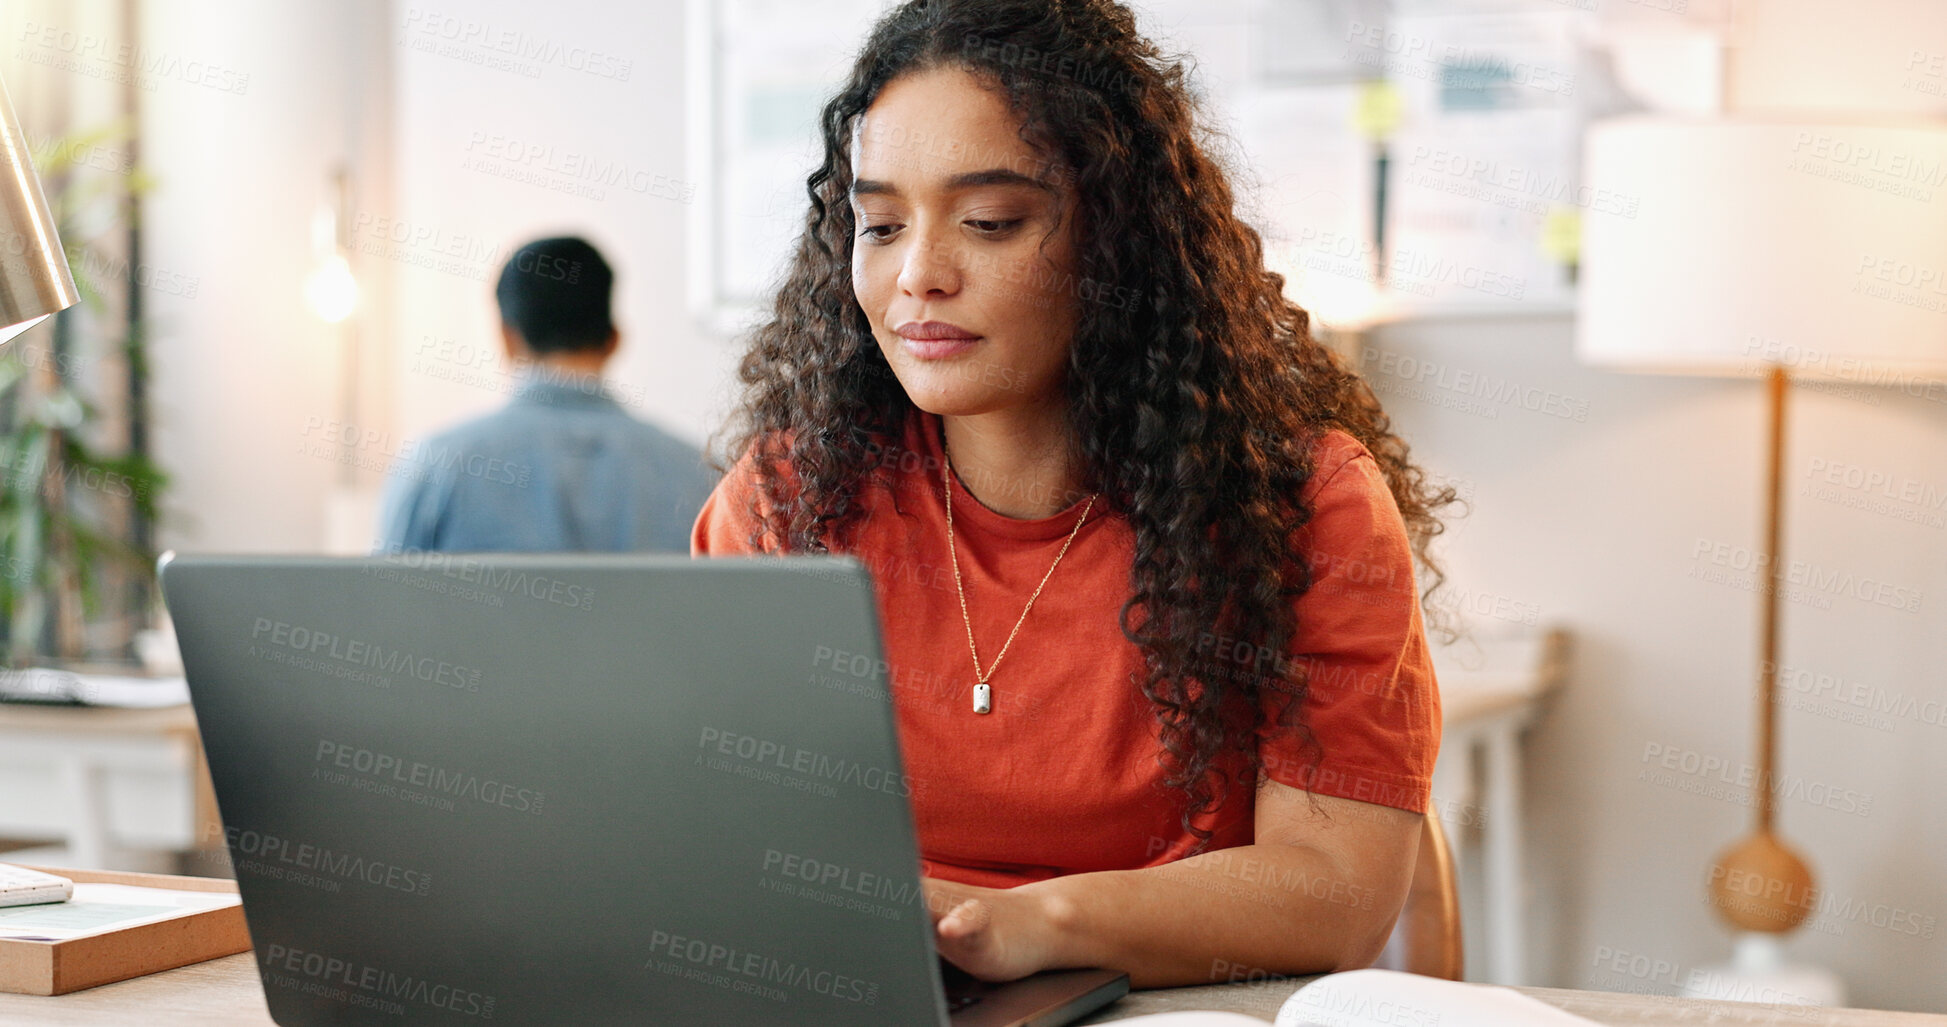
(78,494)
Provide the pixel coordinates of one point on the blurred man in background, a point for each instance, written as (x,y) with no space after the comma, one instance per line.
(562,467)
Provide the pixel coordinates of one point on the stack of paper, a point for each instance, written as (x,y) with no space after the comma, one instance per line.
(1371,998)
(1387,998)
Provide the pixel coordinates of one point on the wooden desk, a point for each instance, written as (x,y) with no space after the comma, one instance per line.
(225,993)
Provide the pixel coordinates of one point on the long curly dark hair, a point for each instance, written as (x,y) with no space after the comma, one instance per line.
(1195,403)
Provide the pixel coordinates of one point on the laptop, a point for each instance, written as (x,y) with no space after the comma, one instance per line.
(589,789)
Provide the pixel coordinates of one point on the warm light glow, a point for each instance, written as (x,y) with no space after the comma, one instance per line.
(1329,294)
(332,291)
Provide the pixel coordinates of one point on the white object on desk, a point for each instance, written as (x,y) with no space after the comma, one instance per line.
(20,886)
(1761,973)
(46,684)
(98,908)
(1388,998)
(1491,685)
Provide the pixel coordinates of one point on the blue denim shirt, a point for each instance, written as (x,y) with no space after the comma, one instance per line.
(562,467)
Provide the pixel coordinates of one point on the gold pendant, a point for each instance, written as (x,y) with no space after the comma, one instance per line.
(983,699)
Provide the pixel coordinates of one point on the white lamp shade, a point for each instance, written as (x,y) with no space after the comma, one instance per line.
(1723,247)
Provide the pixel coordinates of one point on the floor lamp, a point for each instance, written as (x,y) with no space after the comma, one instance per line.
(1783,250)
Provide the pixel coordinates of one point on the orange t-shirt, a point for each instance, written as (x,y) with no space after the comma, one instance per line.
(1063,775)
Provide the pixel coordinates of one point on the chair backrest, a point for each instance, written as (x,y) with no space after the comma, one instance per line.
(1426,938)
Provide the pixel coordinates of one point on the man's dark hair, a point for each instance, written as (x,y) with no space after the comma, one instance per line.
(555,293)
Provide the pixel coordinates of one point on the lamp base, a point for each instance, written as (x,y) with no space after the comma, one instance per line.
(1758,973)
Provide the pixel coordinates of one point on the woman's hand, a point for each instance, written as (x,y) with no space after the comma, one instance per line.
(995,934)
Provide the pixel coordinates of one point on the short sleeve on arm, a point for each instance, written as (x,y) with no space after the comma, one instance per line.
(725,524)
(1372,705)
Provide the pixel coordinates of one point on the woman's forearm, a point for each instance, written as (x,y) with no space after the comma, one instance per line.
(1253,909)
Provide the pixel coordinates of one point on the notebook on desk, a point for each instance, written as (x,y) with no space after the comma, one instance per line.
(593,789)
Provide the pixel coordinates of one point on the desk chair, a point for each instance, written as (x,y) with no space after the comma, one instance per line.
(1426,938)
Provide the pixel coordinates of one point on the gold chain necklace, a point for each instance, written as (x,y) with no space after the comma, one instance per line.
(983,696)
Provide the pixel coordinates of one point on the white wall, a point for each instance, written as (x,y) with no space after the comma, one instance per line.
(241,364)
(543,119)
(1867,56)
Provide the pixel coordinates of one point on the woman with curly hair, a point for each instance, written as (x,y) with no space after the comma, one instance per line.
(1143,550)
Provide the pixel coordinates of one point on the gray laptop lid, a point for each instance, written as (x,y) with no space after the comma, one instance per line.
(462,789)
